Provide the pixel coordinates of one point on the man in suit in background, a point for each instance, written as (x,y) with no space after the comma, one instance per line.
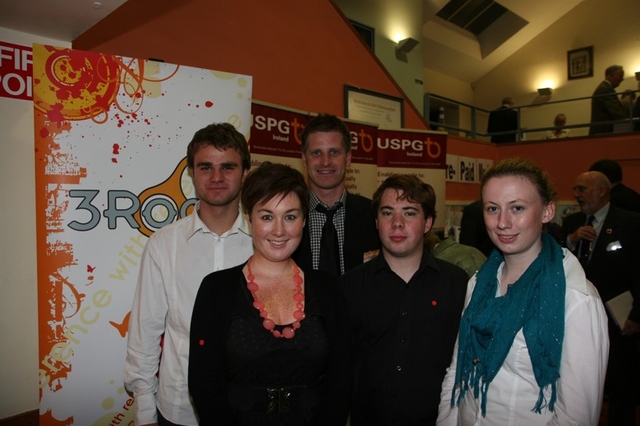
(605,105)
(620,195)
(473,231)
(608,246)
(503,119)
(326,153)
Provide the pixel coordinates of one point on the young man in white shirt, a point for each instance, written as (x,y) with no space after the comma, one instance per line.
(176,258)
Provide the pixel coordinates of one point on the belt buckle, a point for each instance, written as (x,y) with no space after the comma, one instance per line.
(278,400)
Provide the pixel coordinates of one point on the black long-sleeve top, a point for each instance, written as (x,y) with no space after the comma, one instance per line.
(229,346)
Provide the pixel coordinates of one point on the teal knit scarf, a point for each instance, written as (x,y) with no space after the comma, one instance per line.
(534,303)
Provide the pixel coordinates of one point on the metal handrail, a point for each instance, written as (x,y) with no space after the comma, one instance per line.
(474,133)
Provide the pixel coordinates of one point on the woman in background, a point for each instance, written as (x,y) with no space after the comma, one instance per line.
(268,344)
(532,347)
(559,132)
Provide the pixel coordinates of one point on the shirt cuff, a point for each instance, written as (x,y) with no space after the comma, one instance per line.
(146,410)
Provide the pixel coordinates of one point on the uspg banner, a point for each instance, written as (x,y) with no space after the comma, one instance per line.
(276,136)
(416,152)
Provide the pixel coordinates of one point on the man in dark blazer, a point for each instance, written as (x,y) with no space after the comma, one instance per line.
(620,195)
(503,119)
(605,104)
(610,252)
(473,231)
(326,153)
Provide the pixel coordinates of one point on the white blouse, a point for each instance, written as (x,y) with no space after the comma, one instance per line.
(513,393)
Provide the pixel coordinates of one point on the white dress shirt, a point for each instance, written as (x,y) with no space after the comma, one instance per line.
(513,392)
(175,260)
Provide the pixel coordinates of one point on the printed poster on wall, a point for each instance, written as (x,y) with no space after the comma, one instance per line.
(110,148)
(420,153)
(361,176)
(276,136)
(15,71)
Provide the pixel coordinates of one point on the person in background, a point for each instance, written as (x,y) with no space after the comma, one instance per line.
(620,195)
(627,100)
(606,239)
(269,343)
(404,307)
(473,232)
(605,105)
(466,257)
(176,258)
(503,119)
(326,154)
(560,132)
(532,347)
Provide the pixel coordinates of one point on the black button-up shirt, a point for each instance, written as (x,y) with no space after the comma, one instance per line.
(404,335)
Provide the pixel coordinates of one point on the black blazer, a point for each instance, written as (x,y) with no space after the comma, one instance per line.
(605,108)
(613,271)
(502,120)
(360,235)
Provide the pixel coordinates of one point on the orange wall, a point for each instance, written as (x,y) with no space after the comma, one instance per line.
(563,159)
(300,53)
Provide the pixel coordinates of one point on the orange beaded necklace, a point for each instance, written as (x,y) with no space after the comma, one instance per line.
(298,297)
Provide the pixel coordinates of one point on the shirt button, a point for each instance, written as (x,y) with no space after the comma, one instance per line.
(399,368)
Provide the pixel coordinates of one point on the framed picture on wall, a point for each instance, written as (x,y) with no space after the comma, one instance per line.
(580,63)
(372,107)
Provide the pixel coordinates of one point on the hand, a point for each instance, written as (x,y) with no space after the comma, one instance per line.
(630,328)
(583,233)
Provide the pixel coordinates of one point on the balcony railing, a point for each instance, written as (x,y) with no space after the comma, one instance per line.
(474,112)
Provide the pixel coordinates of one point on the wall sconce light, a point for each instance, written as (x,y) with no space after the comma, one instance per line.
(405,46)
(545,91)
(637,75)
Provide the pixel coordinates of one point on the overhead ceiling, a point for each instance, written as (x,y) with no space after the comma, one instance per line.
(445,43)
(62,20)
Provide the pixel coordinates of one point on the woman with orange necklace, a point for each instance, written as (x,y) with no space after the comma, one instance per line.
(268,341)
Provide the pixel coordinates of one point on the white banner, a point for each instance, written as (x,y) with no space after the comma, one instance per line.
(111,139)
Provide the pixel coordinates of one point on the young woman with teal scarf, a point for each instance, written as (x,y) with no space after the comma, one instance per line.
(533,346)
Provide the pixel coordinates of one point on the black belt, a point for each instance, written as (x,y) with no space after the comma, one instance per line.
(273,400)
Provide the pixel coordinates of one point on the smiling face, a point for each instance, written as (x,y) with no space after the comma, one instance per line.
(326,161)
(276,226)
(401,225)
(513,214)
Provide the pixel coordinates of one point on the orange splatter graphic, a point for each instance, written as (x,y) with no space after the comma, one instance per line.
(69,86)
(80,85)
(48,419)
(171,187)
(123,326)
